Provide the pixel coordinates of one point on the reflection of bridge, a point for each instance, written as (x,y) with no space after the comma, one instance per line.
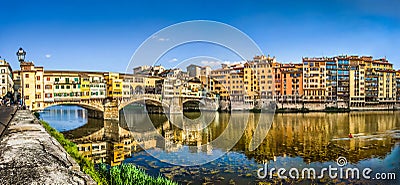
(109,108)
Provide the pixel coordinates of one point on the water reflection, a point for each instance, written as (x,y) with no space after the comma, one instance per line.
(65,118)
(293,140)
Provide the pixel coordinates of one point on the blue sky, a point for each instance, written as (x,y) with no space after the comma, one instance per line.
(103,35)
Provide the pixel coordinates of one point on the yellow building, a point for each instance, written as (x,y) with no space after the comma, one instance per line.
(357,81)
(85,86)
(398,86)
(258,79)
(386,80)
(85,149)
(114,85)
(117,153)
(314,75)
(32,91)
(151,81)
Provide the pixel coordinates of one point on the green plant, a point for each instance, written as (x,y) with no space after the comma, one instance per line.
(126,174)
(122,174)
(37,115)
(86,165)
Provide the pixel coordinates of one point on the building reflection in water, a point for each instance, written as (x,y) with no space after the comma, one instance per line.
(315,137)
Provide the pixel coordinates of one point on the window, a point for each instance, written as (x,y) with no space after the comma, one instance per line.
(3,71)
(57,79)
(66,80)
(37,86)
(38,78)
(26,85)
(3,81)
(26,97)
(47,87)
(48,95)
(57,87)
(26,75)
(48,78)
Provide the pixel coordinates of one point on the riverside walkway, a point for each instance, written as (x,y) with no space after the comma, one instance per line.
(29,155)
(6,114)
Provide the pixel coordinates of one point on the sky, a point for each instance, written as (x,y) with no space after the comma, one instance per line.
(98,35)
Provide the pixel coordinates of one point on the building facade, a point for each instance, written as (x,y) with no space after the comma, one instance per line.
(6,78)
(314,79)
(341,81)
(291,82)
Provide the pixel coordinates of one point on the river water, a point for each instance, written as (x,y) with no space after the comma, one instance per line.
(311,140)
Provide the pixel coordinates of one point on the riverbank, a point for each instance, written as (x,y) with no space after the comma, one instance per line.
(29,154)
(326,110)
(118,175)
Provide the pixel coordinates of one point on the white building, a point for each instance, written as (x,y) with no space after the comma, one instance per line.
(97,86)
(195,71)
(6,82)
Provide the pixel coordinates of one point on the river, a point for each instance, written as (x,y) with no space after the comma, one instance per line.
(310,140)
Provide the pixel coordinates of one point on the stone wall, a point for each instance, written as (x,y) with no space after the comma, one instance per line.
(29,155)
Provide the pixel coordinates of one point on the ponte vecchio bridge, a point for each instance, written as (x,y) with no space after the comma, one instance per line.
(109,109)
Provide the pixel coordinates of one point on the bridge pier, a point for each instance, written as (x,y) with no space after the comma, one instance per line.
(111,130)
(175,105)
(111,120)
(111,111)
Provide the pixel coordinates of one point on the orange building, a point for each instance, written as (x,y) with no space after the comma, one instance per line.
(291,81)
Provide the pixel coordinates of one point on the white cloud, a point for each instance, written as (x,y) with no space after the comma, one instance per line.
(210,63)
(173,60)
(163,39)
(47,56)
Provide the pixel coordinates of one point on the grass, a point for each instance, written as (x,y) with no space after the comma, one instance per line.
(126,174)
(122,174)
(86,165)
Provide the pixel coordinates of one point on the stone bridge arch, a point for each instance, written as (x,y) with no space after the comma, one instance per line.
(193,100)
(156,99)
(95,109)
(89,106)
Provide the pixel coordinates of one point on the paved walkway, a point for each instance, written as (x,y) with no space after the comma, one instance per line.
(5,116)
(29,155)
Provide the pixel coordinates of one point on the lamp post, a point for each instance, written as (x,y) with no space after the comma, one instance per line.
(21,58)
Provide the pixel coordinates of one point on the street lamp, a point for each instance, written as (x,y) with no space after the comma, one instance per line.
(21,58)
(21,55)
